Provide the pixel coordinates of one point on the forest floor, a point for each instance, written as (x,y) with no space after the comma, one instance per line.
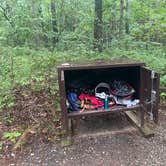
(111,141)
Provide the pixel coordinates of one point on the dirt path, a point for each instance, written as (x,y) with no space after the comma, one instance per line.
(125,148)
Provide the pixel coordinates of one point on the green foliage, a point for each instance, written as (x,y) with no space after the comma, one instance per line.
(163,97)
(163,81)
(11,136)
(29,23)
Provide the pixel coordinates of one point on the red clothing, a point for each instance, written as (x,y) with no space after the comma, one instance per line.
(92,100)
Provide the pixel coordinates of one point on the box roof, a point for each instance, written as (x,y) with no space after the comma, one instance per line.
(100,63)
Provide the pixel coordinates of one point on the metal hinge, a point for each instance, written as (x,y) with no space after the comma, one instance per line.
(153,95)
(153,92)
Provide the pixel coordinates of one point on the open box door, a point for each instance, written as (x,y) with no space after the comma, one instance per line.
(150,92)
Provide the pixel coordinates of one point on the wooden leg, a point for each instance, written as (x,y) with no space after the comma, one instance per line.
(155,113)
(75,123)
(66,140)
(142,112)
(145,130)
(65,124)
(72,127)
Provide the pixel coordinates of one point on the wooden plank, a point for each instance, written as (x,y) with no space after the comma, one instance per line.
(103,111)
(145,130)
(162,89)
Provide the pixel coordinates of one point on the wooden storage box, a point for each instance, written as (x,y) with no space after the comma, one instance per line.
(144,81)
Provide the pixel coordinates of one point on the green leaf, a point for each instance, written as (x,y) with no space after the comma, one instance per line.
(6,135)
(16,134)
(13,140)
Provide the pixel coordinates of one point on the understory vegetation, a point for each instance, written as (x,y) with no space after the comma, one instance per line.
(22,66)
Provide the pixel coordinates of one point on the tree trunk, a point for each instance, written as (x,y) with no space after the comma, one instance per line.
(98,44)
(127,17)
(54,23)
(35,24)
(114,21)
(62,26)
(42,24)
(121,18)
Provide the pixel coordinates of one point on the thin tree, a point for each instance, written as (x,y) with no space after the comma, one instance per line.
(42,25)
(121,25)
(62,17)
(98,35)
(127,17)
(54,23)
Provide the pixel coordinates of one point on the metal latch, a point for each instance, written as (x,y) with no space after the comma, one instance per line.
(152,75)
(153,96)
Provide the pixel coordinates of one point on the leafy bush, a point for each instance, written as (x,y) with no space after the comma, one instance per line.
(11,136)
(163,81)
(163,97)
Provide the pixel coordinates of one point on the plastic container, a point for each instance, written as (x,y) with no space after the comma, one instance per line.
(106,103)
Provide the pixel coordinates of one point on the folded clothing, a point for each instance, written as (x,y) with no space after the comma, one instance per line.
(92,100)
(74,103)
